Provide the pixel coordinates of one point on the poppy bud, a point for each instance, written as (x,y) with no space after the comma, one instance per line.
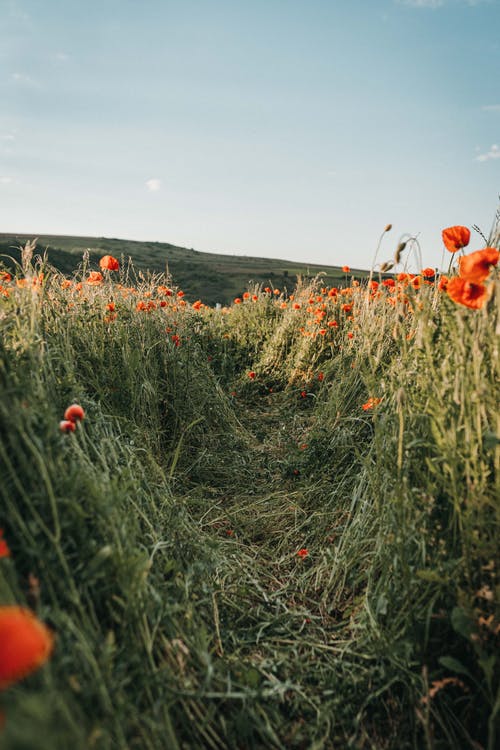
(399,250)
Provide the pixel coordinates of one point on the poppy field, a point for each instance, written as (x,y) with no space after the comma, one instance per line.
(269,525)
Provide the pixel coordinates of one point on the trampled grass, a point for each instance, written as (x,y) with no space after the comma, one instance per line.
(304,558)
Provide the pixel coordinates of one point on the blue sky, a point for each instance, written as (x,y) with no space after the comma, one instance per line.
(282,128)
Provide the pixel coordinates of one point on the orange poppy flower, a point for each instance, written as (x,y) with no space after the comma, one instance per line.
(371,403)
(476,266)
(428,273)
(109,263)
(94,277)
(454,238)
(346,269)
(251,375)
(25,644)
(4,547)
(467,293)
(443,283)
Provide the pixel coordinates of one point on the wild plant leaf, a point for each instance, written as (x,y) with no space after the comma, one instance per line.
(454,665)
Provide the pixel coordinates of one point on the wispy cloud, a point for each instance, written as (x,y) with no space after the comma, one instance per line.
(25,80)
(6,180)
(493,153)
(491,108)
(153,184)
(16,12)
(7,137)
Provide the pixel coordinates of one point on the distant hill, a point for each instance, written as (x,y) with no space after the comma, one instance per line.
(211,277)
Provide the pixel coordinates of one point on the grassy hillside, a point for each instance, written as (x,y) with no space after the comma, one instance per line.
(208,276)
(276,527)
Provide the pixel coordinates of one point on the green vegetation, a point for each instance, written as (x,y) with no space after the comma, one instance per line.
(161,539)
(210,277)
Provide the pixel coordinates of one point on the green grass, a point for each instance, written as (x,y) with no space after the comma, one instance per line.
(164,532)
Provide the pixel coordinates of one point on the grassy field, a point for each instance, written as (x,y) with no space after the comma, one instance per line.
(277,525)
(209,276)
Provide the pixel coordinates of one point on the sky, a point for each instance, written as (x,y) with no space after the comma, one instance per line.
(294,129)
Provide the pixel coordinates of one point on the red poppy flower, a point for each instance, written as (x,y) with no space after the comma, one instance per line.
(25,644)
(454,238)
(428,273)
(346,269)
(251,375)
(109,263)
(303,553)
(74,413)
(476,266)
(4,547)
(67,426)
(467,293)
